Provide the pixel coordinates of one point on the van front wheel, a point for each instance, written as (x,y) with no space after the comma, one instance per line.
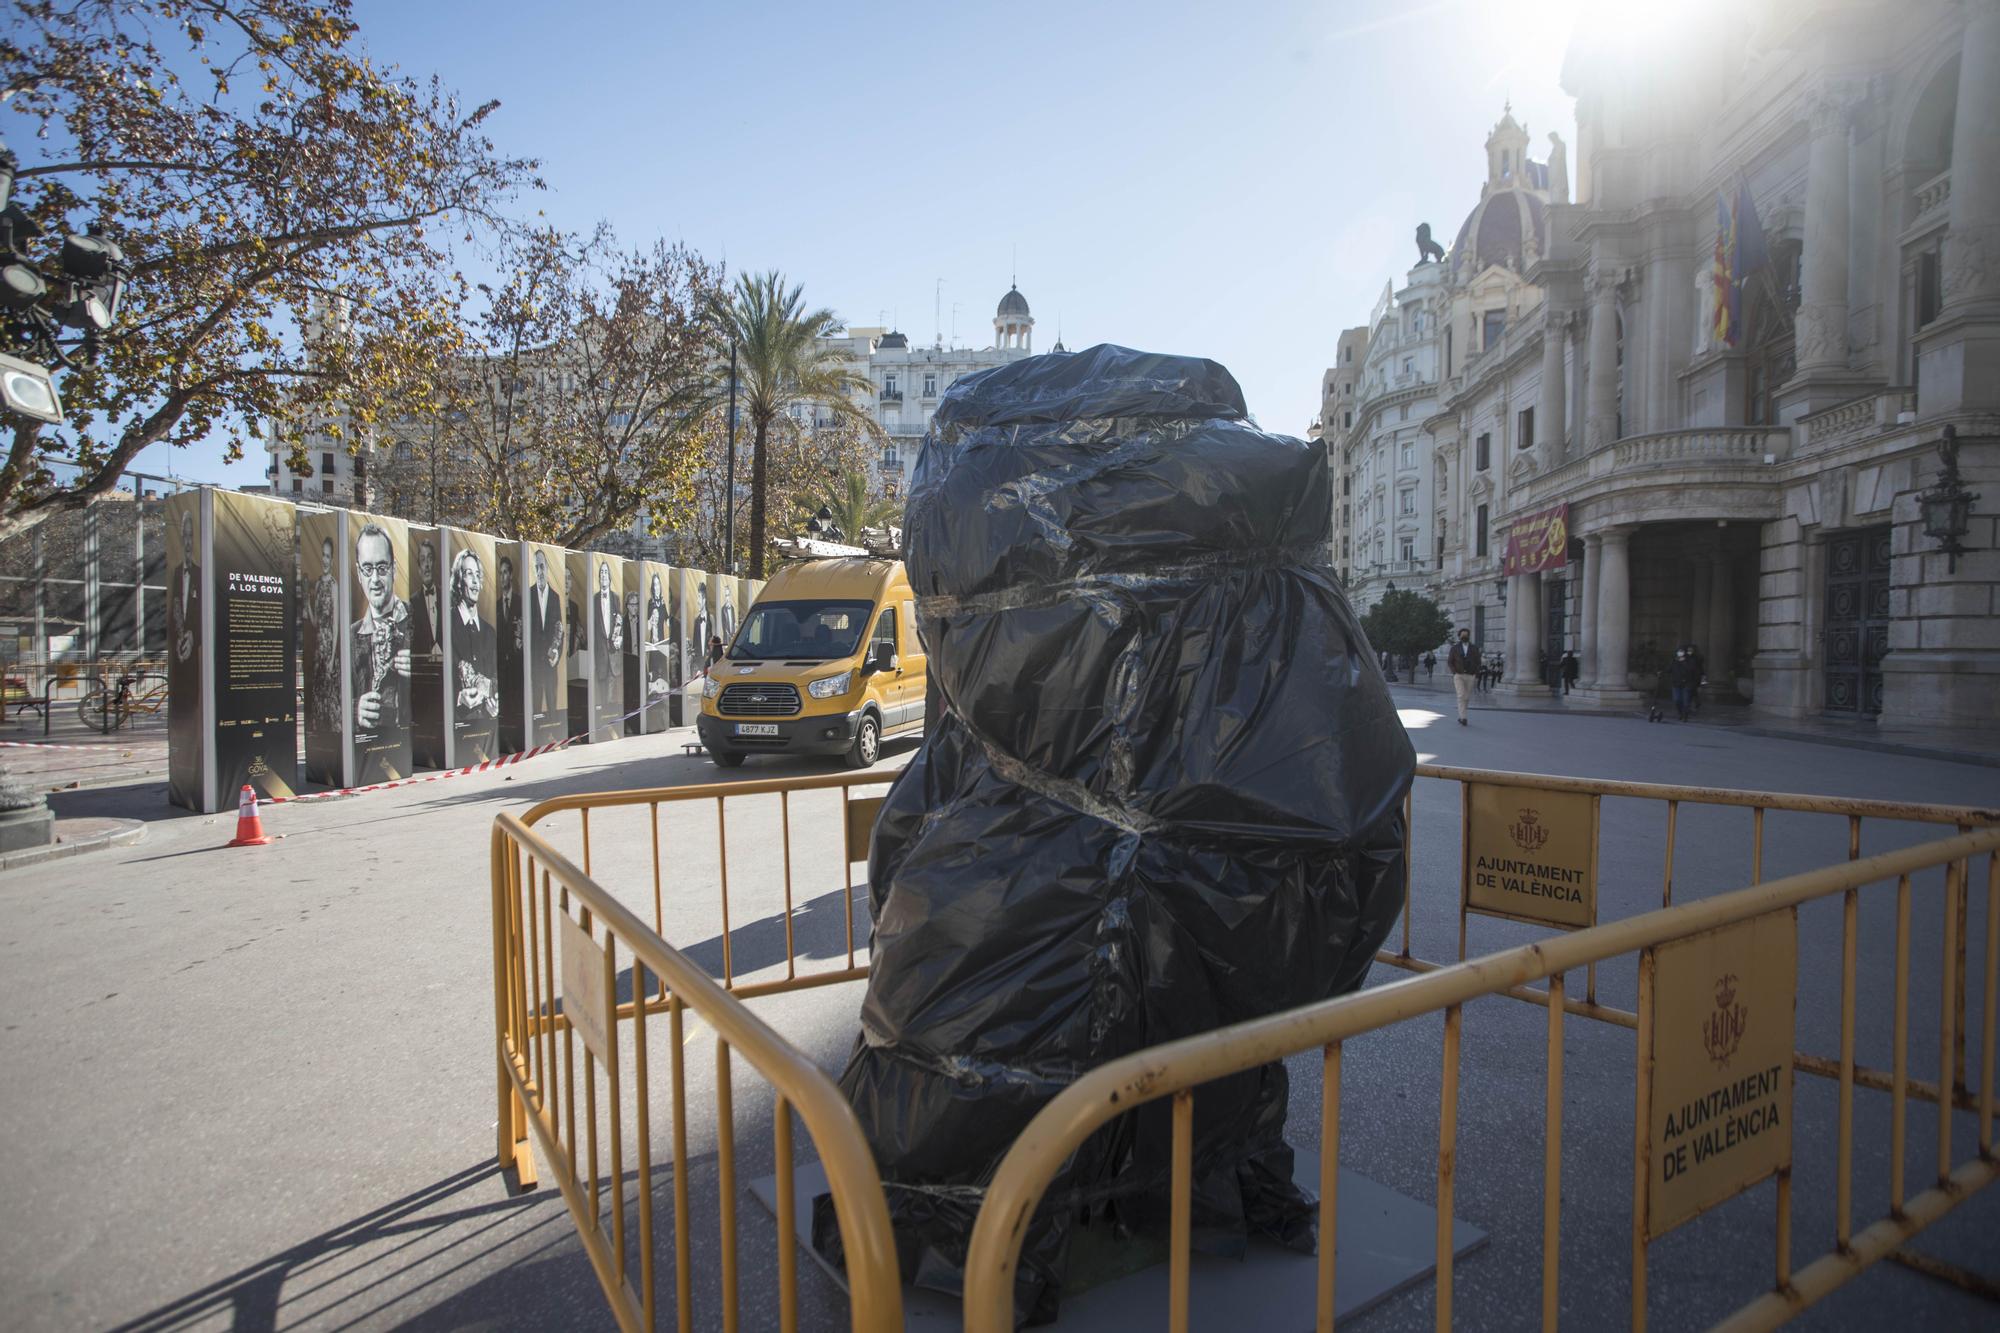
(867,747)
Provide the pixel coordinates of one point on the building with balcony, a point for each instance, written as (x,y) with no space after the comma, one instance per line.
(1730,365)
(906,382)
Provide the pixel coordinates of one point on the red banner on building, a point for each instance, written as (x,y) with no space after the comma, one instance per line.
(1538,541)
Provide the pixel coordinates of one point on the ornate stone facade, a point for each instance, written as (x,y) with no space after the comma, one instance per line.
(1755,490)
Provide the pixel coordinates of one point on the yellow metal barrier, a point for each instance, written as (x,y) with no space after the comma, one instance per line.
(535,1036)
(1852,812)
(1176,1069)
(557,942)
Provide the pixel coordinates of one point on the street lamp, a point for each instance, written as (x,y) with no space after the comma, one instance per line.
(82,291)
(1947,506)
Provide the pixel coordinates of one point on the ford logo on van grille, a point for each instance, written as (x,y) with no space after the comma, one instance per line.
(764,700)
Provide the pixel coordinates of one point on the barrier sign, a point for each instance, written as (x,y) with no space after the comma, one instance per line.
(861,816)
(1530,855)
(585,999)
(1720,1118)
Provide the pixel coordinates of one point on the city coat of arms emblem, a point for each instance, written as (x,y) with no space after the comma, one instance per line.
(1528,831)
(1722,1030)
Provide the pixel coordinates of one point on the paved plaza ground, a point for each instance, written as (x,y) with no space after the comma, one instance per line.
(253,1088)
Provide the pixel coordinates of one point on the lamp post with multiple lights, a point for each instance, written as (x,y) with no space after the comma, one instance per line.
(80,292)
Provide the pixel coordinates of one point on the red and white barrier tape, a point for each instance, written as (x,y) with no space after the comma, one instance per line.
(53,745)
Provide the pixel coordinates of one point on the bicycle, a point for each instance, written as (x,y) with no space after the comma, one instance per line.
(105,708)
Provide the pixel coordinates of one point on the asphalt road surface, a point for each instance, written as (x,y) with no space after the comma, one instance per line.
(254,1088)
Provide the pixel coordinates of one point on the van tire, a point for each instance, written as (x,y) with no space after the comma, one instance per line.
(726,758)
(867,747)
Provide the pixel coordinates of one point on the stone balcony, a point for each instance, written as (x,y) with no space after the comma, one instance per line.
(1668,472)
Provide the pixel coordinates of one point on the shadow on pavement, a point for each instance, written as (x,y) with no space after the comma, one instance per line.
(415,1233)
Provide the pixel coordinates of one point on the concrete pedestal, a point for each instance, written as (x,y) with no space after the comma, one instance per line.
(1388,1242)
(34,826)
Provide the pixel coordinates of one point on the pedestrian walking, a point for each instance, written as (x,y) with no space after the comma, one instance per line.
(1681,679)
(1465,668)
(1430,666)
(1571,669)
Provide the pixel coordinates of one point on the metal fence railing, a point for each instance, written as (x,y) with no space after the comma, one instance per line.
(561,944)
(598,865)
(1176,1070)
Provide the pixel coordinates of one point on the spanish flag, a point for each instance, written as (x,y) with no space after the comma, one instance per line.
(1740,250)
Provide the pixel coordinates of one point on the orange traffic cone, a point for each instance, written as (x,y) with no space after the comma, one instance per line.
(249,826)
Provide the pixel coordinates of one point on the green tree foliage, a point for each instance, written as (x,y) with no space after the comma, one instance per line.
(579,407)
(251,161)
(1406,623)
(805,461)
(782,359)
(855,508)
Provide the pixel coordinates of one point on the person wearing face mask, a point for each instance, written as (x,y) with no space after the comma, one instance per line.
(1682,679)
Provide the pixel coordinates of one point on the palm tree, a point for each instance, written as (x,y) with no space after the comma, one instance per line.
(854,509)
(783,358)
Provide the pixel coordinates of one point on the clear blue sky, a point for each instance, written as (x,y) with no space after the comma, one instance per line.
(1234,181)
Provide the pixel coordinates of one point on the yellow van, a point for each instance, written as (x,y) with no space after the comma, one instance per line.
(826,662)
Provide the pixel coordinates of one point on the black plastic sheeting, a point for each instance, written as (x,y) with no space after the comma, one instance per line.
(1164,795)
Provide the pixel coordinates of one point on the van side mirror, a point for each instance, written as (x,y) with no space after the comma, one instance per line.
(882,656)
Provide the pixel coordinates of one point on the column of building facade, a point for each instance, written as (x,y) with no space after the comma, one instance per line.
(1699,582)
(1600,424)
(1550,409)
(1587,635)
(1614,611)
(1524,606)
(1719,645)
(1666,290)
(1971,275)
(1821,323)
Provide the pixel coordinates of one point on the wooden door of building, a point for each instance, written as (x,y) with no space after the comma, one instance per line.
(1857,620)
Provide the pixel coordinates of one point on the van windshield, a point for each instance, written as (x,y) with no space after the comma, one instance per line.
(801,631)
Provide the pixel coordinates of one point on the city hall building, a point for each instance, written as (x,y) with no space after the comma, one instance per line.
(1735,382)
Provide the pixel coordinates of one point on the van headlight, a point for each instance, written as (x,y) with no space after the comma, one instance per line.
(710,687)
(832,687)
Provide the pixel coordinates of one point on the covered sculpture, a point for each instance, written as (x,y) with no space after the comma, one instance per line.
(1163,794)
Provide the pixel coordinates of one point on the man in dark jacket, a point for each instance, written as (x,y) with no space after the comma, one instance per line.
(1681,679)
(1463,663)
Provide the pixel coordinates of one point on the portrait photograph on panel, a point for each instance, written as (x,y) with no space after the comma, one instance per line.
(187,739)
(430,603)
(321,623)
(472,650)
(700,619)
(725,607)
(509,645)
(545,642)
(656,643)
(683,653)
(607,647)
(379,650)
(631,576)
(577,573)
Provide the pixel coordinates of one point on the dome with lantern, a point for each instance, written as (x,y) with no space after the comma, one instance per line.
(1509,226)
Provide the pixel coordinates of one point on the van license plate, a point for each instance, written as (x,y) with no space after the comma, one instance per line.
(756,728)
